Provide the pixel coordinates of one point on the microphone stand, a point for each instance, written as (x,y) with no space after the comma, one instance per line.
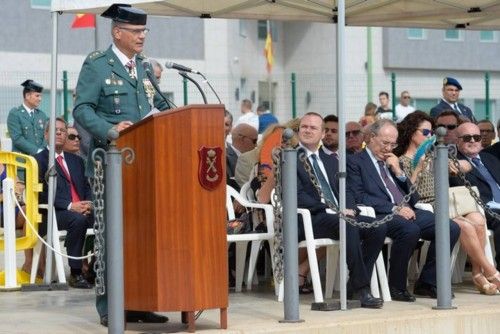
(184,75)
(152,79)
(209,85)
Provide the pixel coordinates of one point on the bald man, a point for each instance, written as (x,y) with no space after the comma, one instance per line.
(244,139)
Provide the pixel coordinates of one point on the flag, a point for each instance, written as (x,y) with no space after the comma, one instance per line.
(268,52)
(83,21)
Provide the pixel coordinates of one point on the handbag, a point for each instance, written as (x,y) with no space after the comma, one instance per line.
(240,225)
(461,201)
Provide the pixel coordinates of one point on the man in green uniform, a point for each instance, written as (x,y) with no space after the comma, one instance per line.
(26,123)
(114,91)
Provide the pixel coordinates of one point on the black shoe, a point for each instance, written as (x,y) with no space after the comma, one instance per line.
(367,300)
(79,282)
(401,295)
(141,316)
(425,290)
(104,320)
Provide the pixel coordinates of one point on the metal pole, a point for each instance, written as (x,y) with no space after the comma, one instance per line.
(369,64)
(114,236)
(442,241)
(65,95)
(290,238)
(294,96)
(393,90)
(342,146)
(52,133)
(185,90)
(487,95)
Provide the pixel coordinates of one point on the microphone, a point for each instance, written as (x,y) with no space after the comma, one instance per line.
(146,65)
(184,69)
(180,67)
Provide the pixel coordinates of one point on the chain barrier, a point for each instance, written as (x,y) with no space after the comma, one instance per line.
(99,242)
(452,154)
(278,216)
(353,221)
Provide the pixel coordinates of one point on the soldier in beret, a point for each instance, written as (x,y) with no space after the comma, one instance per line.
(113,91)
(451,93)
(26,122)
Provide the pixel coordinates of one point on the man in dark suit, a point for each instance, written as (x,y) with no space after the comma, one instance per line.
(72,203)
(376,179)
(451,93)
(363,245)
(485,175)
(495,148)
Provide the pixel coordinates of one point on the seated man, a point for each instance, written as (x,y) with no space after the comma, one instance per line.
(375,177)
(72,203)
(363,245)
(485,175)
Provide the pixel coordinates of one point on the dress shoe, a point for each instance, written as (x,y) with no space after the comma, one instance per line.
(367,300)
(104,320)
(141,316)
(79,282)
(401,295)
(427,290)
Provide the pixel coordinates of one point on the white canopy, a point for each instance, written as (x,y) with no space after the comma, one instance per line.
(440,14)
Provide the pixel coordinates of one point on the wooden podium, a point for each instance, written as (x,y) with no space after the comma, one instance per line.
(175,248)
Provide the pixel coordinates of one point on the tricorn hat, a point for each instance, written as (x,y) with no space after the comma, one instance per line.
(126,14)
(32,86)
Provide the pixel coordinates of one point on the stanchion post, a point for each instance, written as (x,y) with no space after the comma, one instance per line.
(441,185)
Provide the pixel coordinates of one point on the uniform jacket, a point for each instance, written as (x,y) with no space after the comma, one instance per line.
(26,132)
(442,106)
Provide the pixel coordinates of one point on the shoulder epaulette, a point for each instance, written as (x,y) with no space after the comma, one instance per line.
(96,54)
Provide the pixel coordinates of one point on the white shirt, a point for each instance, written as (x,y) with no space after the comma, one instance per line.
(29,110)
(402,111)
(123,58)
(249,118)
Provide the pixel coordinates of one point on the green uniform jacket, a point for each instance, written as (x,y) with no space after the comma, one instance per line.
(107,95)
(27,132)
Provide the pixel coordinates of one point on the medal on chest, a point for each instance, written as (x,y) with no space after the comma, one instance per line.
(149,89)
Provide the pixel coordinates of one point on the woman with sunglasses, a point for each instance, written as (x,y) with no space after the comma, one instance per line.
(413,130)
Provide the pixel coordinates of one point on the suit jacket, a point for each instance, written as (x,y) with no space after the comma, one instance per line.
(493,150)
(307,195)
(27,132)
(231,159)
(107,95)
(475,177)
(63,191)
(367,186)
(442,105)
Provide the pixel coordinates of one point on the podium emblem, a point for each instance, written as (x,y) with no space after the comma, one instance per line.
(210,167)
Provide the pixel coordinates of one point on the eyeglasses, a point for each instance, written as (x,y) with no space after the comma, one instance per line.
(62,130)
(406,97)
(426,132)
(73,137)
(471,138)
(448,126)
(388,144)
(353,133)
(136,31)
(254,140)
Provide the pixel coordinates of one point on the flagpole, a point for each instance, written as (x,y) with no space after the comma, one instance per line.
(96,35)
(269,88)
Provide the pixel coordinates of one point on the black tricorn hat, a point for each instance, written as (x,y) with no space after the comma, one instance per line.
(126,14)
(31,86)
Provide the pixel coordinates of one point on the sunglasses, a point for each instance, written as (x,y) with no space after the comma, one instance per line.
(426,132)
(448,126)
(73,137)
(353,133)
(471,138)
(406,97)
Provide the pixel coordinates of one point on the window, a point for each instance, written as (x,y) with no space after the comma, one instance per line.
(424,104)
(480,108)
(415,33)
(262,30)
(453,35)
(487,36)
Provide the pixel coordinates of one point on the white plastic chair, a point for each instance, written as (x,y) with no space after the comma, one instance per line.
(256,239)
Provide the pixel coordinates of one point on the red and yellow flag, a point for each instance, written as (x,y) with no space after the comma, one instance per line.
(83,21)
(268,52)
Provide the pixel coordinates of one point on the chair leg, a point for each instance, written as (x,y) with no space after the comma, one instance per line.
(374,284)
(34,264)
(382,278)
(241,251)
(332,264)
(254,253)
(61,275)
(314,270)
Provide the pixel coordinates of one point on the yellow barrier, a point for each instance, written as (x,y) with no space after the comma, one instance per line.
(12,162)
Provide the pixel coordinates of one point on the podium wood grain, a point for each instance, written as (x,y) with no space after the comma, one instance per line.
(175,249)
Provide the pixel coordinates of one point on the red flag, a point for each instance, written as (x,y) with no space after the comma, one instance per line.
(83,21)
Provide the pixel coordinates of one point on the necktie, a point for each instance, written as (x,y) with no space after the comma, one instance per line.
(489,179)
(131,68)
(391,186)
(325,187)
(455,107)
(74,194)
